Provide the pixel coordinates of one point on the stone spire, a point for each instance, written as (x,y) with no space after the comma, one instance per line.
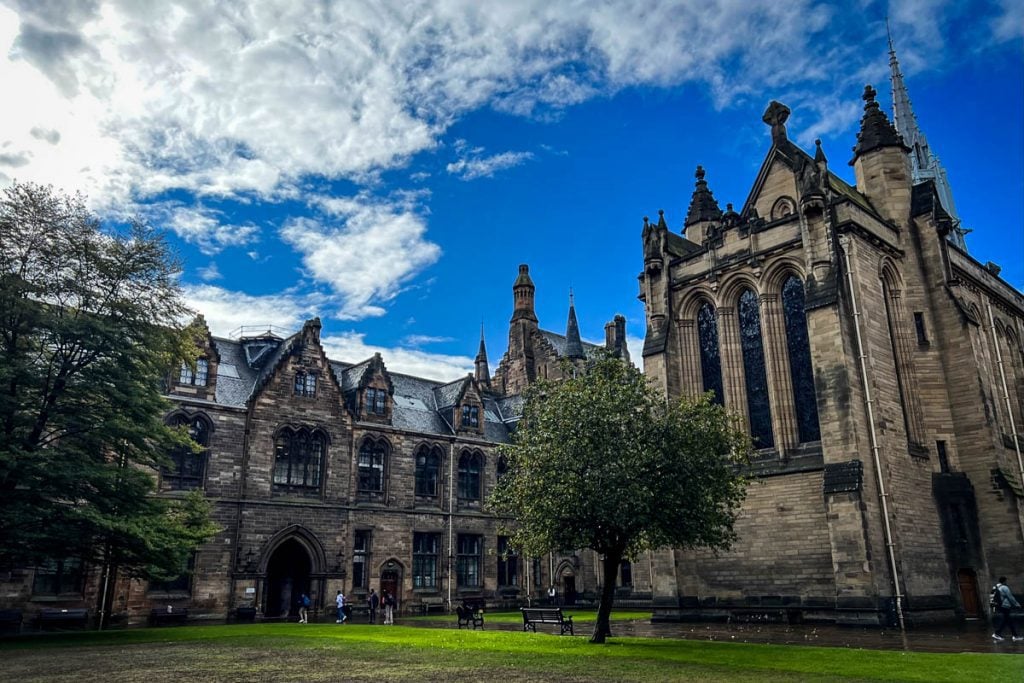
(703,205)
(923,163)
(522,293)
(875,130)
(573,343)
(483,373)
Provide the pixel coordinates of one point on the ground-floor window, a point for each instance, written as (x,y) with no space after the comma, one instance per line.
(508,563)
(467,561)
(424,560)
(360,556)
(182,583)
(58,577)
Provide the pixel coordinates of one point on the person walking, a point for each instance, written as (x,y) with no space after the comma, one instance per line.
(372,603)
(389,607)
(1004,603)
(339,600)
(304,603)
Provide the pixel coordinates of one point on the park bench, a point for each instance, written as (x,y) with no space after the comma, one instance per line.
(468,616)
(428,603)
(245,614)
(63,618)
(10,621)
(546,615)
(162,616)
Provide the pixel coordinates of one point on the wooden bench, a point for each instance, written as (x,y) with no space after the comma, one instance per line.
(10,621)
(161,616)
(468,616)
(429,603)
(546,615)
(63,618)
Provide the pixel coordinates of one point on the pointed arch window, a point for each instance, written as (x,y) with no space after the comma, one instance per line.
(185,471)
(800,370)
(906,376)
(710,358)
(428,471)
(501,469)
(373,455)
(758,408)
(298,459)
(470,465)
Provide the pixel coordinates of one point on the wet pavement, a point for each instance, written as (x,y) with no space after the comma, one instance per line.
(973,636)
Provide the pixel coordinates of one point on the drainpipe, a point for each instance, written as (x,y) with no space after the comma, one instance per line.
(872,435)
(451,516)
(1006,398)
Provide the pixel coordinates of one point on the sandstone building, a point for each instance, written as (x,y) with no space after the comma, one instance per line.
(878,368)
(328,476)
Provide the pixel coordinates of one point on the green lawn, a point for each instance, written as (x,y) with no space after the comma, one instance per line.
(294,652)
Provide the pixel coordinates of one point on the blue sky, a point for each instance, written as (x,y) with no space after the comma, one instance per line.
(387,166)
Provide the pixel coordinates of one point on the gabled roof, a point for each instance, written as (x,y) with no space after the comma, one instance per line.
(450,394)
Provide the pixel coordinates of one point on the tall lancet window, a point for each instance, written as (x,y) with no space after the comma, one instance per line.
(800,369)
(710,360)
(753,369)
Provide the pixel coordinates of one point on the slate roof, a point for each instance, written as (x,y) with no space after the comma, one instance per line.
(559,343)
(417,403)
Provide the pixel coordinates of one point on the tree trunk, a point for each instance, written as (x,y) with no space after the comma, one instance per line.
(602,628)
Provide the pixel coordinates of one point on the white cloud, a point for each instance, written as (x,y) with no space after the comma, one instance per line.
(421,339)
(210,272)
(365,250)
(232,99)
(352,347)
(200,225)
(226,310)
(473,167)
(1010,24)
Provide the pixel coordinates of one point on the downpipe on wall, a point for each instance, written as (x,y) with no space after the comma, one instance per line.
(872,435)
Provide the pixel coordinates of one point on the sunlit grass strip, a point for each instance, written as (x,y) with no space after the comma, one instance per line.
(529,655)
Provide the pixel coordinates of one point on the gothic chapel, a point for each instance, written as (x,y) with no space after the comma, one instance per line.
(878,368)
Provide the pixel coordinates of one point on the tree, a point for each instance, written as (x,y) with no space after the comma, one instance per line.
(601,461)
(90,324)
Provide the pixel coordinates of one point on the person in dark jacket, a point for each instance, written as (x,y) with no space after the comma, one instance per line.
(1005,603)
(372,603)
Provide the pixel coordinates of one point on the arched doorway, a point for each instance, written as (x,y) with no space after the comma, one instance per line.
(391,579)
(569,589)
(287,578)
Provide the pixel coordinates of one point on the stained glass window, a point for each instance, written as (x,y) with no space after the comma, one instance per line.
(753,369)
(800,369)
(710,361)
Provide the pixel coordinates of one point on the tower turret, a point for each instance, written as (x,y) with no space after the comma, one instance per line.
(703,210)
(880,162)
(482,373)
(573,343)
(522,294)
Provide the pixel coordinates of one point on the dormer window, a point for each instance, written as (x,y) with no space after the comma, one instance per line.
(305,384)
(376,401)
(196,377)
(470,416)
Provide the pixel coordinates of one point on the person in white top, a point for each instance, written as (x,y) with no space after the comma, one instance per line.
(340,602)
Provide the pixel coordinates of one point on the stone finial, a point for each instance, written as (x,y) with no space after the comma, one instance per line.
(703,206)
(661,219)
(876,131)
(819,154)
(776,116)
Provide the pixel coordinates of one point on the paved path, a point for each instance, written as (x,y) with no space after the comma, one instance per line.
(974,636)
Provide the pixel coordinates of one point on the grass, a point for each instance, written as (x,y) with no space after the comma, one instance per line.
(290,652)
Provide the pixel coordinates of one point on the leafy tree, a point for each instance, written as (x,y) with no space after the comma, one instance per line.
(90,323)
(602,461)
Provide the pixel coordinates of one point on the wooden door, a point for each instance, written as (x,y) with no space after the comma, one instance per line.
(969,593)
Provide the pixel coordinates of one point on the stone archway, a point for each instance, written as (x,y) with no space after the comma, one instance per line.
(391,573)
(288,576)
